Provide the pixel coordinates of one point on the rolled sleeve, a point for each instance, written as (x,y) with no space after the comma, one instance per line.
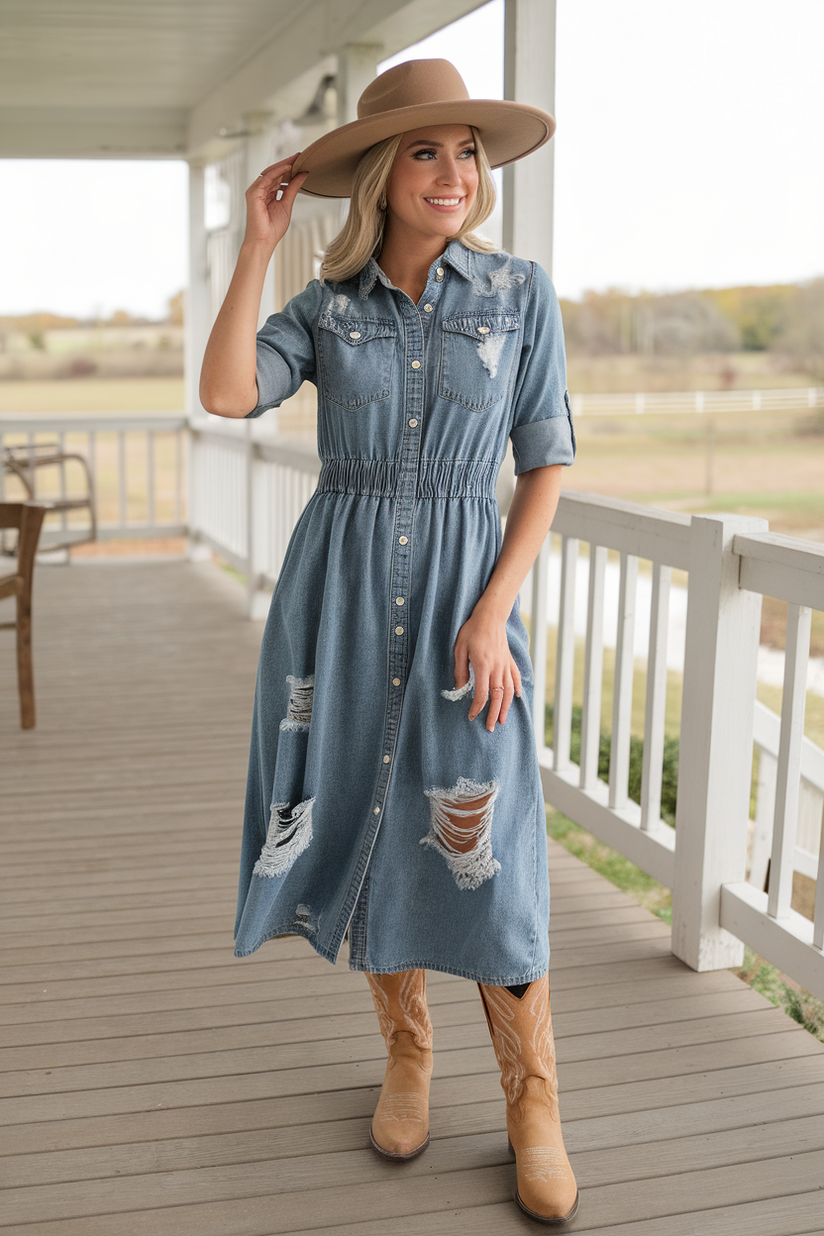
(541,431)
(286,350)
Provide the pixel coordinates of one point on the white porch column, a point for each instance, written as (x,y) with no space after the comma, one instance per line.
(197,327)
(715,762)
(529,77)
(197,294)
(357,66)
(259,154)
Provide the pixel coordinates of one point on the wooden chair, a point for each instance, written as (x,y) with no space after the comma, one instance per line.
(24,462)
(27,517)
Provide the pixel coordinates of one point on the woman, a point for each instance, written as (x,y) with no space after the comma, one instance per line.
(377,808)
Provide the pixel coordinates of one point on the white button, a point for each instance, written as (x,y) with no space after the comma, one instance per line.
(386,759)
(377,811)
(413,422)
(416,364)
(427,308)
(399,630)
(396,682)
(354,334)
(403,540)
(399,600)
(483,330)
(439,274)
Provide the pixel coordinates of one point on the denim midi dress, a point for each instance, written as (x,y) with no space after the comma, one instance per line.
(360,741)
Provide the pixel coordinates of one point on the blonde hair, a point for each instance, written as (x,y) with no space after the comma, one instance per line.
(361,236)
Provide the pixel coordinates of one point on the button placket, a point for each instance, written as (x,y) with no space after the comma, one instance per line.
(415,336)
(402,533)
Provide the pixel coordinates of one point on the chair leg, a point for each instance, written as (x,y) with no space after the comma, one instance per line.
(25,672)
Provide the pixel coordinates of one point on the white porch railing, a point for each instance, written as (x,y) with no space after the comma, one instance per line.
(247,494)
(137,466)
(244,493)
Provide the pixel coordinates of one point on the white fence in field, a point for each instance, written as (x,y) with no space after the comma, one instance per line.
(240,494)
(787,399)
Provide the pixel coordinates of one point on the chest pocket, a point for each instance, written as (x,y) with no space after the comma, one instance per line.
(356,356)
(477,353)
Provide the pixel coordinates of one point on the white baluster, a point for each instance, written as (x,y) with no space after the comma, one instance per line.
(656,701)
(622,690)
(565,655)
(537,640)
(764,815)
(593,668)
(793,702)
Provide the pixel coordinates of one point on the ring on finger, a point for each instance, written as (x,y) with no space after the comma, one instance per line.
(496,688)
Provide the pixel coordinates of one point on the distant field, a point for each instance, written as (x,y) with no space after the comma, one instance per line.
(704,372)
(766,464)
(81,395)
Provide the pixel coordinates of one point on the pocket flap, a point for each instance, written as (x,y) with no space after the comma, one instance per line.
(356,331)
(479,325)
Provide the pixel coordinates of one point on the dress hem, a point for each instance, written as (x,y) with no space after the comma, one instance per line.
(528,976)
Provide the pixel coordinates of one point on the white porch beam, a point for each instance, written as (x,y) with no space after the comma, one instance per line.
(529,77)
(299,46)
(92,132)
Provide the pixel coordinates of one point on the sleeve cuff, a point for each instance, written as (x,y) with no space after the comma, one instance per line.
(540,443)
(274,380)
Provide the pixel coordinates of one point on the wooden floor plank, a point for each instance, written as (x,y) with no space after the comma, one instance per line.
(268,1208)
(694,1121)
(273,1028)
(153,1083)
(764,1084)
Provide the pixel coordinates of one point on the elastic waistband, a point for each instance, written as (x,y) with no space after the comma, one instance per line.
(437,478)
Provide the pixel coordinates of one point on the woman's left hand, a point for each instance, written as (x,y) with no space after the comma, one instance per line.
(482,641)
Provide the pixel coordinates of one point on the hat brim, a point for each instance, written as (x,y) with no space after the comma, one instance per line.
(508,130)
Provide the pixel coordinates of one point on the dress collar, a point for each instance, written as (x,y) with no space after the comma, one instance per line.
(455,255)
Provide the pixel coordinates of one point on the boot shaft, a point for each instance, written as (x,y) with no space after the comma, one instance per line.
(400,1003)
(522,1038)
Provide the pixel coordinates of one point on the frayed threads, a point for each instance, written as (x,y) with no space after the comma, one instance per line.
(489,350)
(470,866)
(288,836)
(459,692)
(299,710)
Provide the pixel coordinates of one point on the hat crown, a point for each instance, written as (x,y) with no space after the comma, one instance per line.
(411,84)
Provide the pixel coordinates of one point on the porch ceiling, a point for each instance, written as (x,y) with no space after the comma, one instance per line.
(159,78)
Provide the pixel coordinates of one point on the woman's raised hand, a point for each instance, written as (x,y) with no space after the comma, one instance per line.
(267,214)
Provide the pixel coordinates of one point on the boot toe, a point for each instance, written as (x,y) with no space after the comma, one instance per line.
(399,1153)
(549,1220)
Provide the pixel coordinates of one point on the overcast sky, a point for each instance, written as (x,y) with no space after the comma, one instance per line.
(688,154)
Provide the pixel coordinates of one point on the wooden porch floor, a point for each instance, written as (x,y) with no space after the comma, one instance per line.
(153,1085)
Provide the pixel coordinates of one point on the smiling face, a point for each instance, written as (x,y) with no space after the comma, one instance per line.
(433,181)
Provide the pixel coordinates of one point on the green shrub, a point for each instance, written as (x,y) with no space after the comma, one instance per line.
(669,781)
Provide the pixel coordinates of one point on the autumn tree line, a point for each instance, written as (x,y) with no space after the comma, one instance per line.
(784,318)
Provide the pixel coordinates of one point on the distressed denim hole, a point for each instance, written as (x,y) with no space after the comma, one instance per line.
(299,710)
(290,832)
(460,829)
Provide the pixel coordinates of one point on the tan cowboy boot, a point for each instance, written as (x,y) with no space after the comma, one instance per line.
(521,1030)
(400,1126)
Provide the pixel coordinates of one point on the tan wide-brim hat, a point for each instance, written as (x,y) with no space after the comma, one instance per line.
(409,96)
